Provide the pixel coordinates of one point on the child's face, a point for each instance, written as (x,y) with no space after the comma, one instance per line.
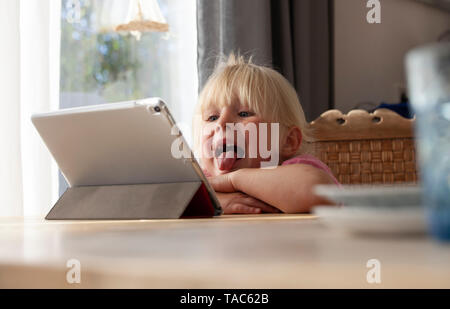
(222,149)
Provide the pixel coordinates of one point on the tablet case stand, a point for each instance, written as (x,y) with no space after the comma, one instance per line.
(134,202)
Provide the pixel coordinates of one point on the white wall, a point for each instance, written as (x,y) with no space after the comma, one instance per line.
(369,57)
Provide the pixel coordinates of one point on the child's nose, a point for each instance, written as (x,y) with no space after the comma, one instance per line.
(222,127)
(224,120)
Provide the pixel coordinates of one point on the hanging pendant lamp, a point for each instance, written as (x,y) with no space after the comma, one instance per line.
(134,16)
(143,16)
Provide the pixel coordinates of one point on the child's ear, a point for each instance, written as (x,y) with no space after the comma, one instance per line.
(291,143)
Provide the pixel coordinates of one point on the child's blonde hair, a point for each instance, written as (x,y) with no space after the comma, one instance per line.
(262,89)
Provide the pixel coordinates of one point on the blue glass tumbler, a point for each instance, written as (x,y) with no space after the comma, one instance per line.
(428,72)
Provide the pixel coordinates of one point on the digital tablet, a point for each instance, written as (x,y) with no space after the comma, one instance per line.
(126,143)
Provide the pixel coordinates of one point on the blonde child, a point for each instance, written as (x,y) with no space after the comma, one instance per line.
(240,94)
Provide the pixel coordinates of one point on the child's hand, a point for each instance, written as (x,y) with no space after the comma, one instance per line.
(234,202)
(241,203)
(223,183)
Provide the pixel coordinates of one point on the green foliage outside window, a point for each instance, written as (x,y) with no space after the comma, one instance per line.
(112,65)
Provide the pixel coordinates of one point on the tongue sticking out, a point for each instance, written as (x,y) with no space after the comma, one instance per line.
(226,160)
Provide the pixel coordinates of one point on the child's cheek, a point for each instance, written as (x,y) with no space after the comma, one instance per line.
(207,163)
(207,144)
(263,140)
(266,141)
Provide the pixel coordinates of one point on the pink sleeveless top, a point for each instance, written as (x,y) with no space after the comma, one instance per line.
(311,160)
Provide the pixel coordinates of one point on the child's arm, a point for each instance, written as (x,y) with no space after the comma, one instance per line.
(288,188)
(241,203)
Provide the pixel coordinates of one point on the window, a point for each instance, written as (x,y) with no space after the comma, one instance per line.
(100,68)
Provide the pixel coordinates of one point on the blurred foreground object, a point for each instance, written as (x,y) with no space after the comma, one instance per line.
(428,70)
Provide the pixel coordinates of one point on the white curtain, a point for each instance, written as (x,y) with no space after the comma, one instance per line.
(29,83)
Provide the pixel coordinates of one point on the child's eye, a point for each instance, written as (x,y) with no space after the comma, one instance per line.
(244,114)
(213,118)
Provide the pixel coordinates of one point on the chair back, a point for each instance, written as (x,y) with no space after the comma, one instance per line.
(366,148)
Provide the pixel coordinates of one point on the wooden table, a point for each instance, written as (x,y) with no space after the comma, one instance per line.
(240,251)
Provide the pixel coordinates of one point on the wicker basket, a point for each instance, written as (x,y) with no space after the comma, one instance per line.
(364,148)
